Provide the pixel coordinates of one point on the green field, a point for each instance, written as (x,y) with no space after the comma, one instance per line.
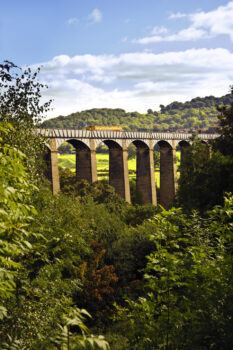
(68,161)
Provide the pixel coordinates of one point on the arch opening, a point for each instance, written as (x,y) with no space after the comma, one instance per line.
(80,160)
(156,155)
(67,156)
(102,162)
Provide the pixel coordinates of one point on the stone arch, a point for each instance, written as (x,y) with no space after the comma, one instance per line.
(137,143)
(78,144)
(72,141)
(47,145)
(141,144)
(164,143)
(112,143)
(205,142)
(156,142)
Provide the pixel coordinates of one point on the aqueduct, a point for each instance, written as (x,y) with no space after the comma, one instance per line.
(86,142)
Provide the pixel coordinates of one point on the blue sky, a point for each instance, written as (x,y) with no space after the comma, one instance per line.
(128,54)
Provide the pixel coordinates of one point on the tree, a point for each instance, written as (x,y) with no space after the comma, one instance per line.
(20,95)
(204,178)
(188,280)
(66,148)
(38,276)
(20,104)
(224,143)
(15,215)
(98,282)
(201,184)
(132,151)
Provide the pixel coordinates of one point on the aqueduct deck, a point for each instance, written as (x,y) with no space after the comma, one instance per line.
(86,141)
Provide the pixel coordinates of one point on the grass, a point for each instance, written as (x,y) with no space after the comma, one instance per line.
(68,161)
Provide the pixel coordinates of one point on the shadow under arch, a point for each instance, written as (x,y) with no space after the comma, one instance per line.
(118,168)
(184,146)
(145,179)
(207,147)
(167,173)
(47,168)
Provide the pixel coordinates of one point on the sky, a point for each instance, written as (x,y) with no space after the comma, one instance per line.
(129,54)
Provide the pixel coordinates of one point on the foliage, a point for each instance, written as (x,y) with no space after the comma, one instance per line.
(198,189)
(207,171)
(136,214)
(39,272)
(131,151)
(20,96)
(15,215)
(98,282)
(72,341)
(100,192)
(129,253)
(89,247)
(66,335)
(189,282)
(50,277)
(224,143)
(71,224)
(66,148)
(67,177)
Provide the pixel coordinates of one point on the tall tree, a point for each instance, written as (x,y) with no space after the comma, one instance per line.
(20,96)
(224,143)
(205,179)
(20,104)
(15,215)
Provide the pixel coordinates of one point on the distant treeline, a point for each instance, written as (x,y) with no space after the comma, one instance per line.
(199,113)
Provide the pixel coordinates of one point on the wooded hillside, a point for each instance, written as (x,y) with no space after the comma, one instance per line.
(199,113)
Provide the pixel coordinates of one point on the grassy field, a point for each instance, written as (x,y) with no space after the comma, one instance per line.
(68,161)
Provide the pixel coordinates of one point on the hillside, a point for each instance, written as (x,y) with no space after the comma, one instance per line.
(199,113)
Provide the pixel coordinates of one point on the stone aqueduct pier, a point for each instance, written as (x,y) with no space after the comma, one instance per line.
(86,142)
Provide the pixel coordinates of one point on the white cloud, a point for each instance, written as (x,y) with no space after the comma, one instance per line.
(159,30)
(202,25)
(95,16)
(135,81)
(219,21)
(72,20)
(177,15)
(189,34)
